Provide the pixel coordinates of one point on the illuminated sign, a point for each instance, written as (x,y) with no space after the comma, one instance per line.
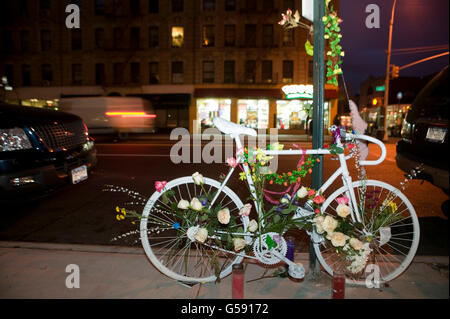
(295,91)
(380,88)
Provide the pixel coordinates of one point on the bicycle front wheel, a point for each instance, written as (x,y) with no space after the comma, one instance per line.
(390,225)
(167,237)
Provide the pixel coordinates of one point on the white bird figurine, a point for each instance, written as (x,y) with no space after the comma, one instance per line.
(359,126)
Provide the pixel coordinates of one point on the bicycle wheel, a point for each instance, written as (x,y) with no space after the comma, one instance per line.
(173,250)
(390,225)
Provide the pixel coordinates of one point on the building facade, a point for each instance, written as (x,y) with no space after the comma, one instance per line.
(193,59)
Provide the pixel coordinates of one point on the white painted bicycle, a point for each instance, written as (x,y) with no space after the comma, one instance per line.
(169,239)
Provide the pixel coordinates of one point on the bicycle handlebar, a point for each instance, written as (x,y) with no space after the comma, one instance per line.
(379,143)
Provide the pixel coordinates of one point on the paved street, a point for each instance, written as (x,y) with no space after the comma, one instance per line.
(84,214)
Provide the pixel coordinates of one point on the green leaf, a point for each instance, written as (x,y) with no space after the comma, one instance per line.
(309,48)
(270,242)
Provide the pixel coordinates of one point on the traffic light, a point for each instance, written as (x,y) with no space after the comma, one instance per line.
(395,71)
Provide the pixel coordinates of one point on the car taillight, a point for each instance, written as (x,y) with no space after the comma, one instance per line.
(407,131)
(131,114)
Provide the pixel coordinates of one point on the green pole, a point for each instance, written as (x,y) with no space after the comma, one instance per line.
(318,102)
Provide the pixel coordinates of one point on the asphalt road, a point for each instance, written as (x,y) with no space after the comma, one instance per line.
(85,213)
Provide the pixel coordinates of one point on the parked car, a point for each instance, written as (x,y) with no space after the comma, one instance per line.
(425,133)
(112,115)
(41,149)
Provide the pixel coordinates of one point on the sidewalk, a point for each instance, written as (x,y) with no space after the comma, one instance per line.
(38,270)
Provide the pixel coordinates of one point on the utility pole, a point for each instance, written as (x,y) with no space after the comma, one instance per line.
(386,84)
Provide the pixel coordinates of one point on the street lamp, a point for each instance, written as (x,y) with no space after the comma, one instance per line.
(386,85)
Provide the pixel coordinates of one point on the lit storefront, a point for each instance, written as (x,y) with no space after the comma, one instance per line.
(253,113)
(208,109)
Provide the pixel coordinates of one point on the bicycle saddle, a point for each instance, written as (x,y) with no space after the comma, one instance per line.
(231,128)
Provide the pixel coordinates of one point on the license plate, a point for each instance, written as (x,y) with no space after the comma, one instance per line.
(436,134)
(79,174)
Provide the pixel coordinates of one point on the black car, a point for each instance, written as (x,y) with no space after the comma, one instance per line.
(425,133)
(41,149)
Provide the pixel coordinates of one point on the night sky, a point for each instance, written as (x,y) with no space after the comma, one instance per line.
(416,23)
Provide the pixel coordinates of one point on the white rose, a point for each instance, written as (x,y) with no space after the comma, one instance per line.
(196,204)
(286,199)
(302,192)
(356,244)
(252,226)
(337,239)
(223,216)
(198,178)
(201,235)
(329,224)
(183,204)
(239,244)
(343,210)
(318,221)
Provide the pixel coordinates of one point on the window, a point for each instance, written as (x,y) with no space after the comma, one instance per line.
(7,42)
(177,5)
(208,37)
(44,5)
(77,74)
(288,4)
(47,74)
(26,75)
(250,71)
(230,5)
(230,35)
(251,5)
(228,71)
(208,71)
(177,72)
(99,74)
(267,71)
(25,40)
(76,39)
(135,72)
(253,113)
(46,40)
(23,8)
(209,5)
(135,37)
(153,68)
(250,35)
(267,6)
(9,73)
(177,37)
(267,35)
(153,6)
(118,38)
(118,8)
(99,38)
(153,37)
(99,7)
(288,71)
(118,69)
(288,37)
(135,7)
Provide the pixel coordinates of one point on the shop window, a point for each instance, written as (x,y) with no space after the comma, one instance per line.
(209,5)
(25,40)
(76,39)
(288,71)
(208,71)
(177,37)
(267,35)
(208,109)
(118,69)
(254,113)
(293,115)
(77,74)
(177,5)
(135,72)
(99,74)
(153,6)
(229,71)
(153,37)
(99,38)
(267,71)
(288,37)
(26,75)
(250,35)
(250,71)
(230,35)
(47,74)
(46,40)
(153,72)
(230,5)
(208,36)
(177,72)
(135,37)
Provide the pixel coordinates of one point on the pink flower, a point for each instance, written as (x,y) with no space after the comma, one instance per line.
(311,192)
(342,200)
(245,211)
(232,162)
(319,199)
(317,211)
(159,185)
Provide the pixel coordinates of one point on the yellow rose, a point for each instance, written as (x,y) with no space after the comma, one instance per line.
(223,216)
(337,239)
(239,244)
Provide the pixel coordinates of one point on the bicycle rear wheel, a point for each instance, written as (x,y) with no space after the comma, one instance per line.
(390,225)
(167,237)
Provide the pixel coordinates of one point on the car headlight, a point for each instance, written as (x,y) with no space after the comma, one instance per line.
(407,130)
(13,139)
